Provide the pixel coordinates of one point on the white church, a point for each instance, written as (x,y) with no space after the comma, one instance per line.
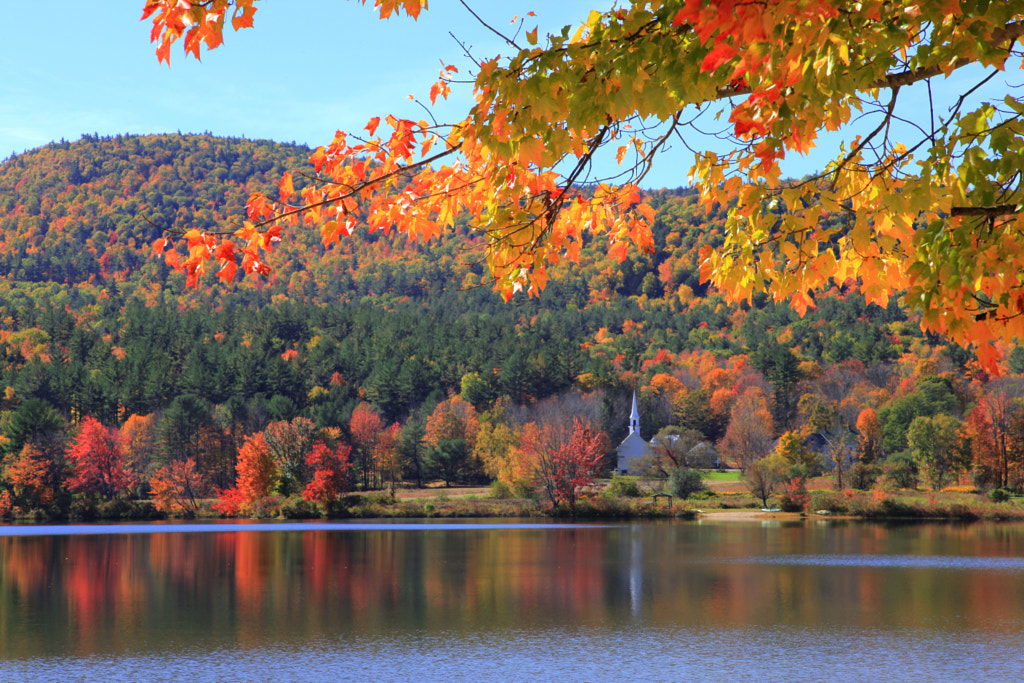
(633,450)
(634,453)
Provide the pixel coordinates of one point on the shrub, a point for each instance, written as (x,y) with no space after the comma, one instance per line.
(683,482)
(901,470)
(82,510)
(297,508)
(266,507)
(795,499)
(999,495)
(862,476)
(827,500)
(623,486)
(500,490)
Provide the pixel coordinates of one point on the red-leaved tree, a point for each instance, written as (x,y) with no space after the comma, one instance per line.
(366,428)
(564,462)
(331,468)
(97,458)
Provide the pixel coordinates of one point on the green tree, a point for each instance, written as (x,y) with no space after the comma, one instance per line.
(934,446)
(932,396)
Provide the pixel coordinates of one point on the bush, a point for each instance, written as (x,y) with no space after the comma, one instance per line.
(122,508)
(297,508)
(267,507)
(500,490)
(999,495)
(795,499)
(901,470)
(862,476)
(683,482)
(623,486)
(826,500)
(82,510)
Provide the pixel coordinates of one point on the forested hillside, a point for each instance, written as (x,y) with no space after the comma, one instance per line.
(94,329)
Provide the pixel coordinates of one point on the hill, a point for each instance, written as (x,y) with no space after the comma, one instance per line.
(91,325)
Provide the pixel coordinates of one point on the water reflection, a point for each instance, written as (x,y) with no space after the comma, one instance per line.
(414,594)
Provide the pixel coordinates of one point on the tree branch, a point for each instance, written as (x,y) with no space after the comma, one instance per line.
(986,211)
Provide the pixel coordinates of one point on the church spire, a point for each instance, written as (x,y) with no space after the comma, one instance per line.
(634,418)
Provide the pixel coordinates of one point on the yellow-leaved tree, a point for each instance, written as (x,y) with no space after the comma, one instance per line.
(922,199)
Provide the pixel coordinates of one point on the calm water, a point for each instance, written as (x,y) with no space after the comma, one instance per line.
(724,601)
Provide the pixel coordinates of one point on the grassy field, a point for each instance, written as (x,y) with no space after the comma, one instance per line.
(716,475)
(614,499)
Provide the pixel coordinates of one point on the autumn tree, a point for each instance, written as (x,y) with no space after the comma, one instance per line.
(288,443)
(497,449)
(387,456)
(366,428)
(565,460)
(97,459)
(990,427)
(670,449)
(749,434)
(257,475)
(140,443)
(762,477)
(177,488)
(793,452)
(869,435)
(331,469)
(451,433)
(29,475)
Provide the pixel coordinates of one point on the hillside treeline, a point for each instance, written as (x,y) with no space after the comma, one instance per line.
(96,332)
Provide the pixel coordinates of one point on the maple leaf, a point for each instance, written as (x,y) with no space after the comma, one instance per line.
(243,17)
(285,187)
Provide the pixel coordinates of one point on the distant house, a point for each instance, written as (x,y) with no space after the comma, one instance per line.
(825,445)
(634,454)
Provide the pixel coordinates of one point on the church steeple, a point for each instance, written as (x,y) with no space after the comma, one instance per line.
(634,418)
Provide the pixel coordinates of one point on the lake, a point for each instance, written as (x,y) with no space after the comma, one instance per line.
(712,600)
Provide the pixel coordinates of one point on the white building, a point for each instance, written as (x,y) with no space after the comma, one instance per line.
(633,449)
(634,453)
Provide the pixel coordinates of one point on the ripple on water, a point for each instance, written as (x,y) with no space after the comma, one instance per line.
(974,563)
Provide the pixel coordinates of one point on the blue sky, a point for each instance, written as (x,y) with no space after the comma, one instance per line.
(308,68)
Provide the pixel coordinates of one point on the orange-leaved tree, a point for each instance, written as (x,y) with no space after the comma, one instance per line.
(257,475)
(29,474)
(922,199)
(178,487)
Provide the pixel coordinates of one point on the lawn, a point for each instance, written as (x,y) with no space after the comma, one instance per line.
(718,475)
